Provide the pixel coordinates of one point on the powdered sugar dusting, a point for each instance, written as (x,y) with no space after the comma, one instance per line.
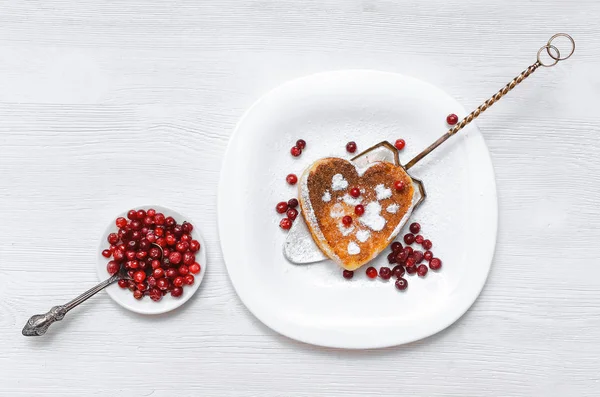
(351,200)
(346,231)
(363,235)
(326,196)
(353,248)
(337,211)
(372,217)
(338,182)
(361,171)
(382,192)
(392,208)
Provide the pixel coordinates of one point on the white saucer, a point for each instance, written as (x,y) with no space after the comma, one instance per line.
(313,303)
(125,298)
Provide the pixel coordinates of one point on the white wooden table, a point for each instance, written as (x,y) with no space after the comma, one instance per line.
(105,106)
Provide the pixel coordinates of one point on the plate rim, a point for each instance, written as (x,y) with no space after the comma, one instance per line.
(264,317)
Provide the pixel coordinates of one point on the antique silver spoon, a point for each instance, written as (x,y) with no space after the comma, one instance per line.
(38,324)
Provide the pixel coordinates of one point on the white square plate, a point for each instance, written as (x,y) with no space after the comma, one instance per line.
(313,303)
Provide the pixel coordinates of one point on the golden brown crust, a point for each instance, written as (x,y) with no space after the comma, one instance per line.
(328,231)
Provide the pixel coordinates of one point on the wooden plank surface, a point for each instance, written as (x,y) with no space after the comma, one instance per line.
(105,105)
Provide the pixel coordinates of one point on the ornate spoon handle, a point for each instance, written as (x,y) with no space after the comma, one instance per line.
(38,324)
(552,51)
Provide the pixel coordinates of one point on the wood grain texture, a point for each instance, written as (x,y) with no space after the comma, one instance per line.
(107,105)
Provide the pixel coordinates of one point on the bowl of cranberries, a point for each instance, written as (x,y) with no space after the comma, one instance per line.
(163,253)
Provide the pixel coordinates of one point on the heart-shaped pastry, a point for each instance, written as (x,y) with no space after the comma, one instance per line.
(325,199)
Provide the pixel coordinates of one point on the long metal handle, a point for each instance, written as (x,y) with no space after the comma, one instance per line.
(38,324)
(551,50)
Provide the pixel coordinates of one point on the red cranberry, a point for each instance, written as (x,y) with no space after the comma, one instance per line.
(408,250)
(301,143)
(112,248)
(159,219)
(132,214)
(428,255)
(176,292)
(348,274)
(396,246)
(112,238)
(371,272)
(130,255)
(183,270)
(139,276)
(162,283)
(148,221)
(292,203)
(171,273)
(435,264)
(136,235)
(188,258)
(355,192)
(409,238)
(399,185)
(291,179)
(281,207)
(411,270)
(347,220)
(402,256)
(121,222)
(177,231)
(385,273)
(427,244)
(123,283)
(187,227)
(155,264)
(178,281)
(118,255)
(392,258)
(170,221)
(132,245)
(194,246)
(151,237)
(415,228)
(422,270)
(121,247)
(154,253)
(400,143)
(182,246)
(142,286)
(292,213)
(159,231)
(398,271)
(419,239)
(141,214)
(137,294)
(155,294)
(175,257)
(151,281)
(188,280)
(158,273)
(151,212)
(417,256)
(359,209)
(133,264)
(186,238)
(452,119)
(161,242)
(136,225)
(144,244)
(410,262)
(351,147)
(401,284)
(195,268)
(171,240)
(296,151)
(285,224)
(106,253)
(141,255)
(112,267)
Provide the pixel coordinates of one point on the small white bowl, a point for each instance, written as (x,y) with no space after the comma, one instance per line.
(124,297)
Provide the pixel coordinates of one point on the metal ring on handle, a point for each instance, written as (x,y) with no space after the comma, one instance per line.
(558,58)
(547,48)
